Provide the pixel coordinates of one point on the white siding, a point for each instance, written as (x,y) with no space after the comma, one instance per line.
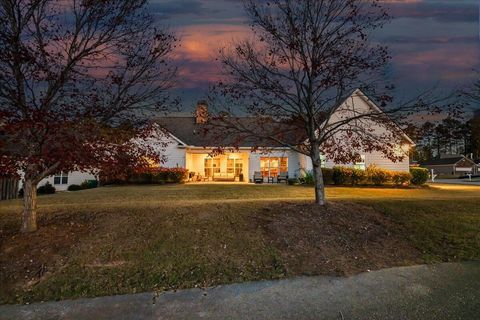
(74,177)
(174,154)
(295,161)
(371,158)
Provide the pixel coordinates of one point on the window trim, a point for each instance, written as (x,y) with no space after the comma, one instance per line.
(63,178)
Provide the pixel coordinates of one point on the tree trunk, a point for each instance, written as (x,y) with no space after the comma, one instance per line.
(29,222)
(318,175)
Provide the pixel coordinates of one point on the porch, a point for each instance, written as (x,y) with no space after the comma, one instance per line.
(228,167)
(242,166)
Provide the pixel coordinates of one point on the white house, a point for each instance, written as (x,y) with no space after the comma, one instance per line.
(189,148)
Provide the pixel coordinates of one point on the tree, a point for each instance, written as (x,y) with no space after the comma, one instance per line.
(78,79)
(305,59)
(474,123)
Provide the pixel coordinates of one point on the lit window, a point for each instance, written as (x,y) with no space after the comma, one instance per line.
(323,160)
(60,178)
(272,166)
(360,165)
(212,165)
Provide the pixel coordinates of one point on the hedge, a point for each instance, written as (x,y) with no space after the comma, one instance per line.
(373,175)
(159,176)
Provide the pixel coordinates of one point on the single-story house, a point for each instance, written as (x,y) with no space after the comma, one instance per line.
(454,165)
(189,147)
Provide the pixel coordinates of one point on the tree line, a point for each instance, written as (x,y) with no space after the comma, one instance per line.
(447,136)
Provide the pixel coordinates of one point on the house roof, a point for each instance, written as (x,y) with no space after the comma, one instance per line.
(190,133)
(445,161)
(185,129)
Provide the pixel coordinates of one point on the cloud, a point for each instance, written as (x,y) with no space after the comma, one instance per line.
(170,8)
(451,11)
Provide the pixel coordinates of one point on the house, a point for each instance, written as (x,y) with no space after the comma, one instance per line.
(189,147)
(454,165)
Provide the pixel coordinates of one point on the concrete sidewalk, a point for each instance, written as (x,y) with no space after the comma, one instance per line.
(444,291)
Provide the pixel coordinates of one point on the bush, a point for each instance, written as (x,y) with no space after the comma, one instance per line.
(419,176)
(401,178)
(89,184)
(293,181)
(159,176)
(378,176)
(357,176)
(47,188)
(309,178)
(341,175)
(141,178)
(327,176)
(74,187)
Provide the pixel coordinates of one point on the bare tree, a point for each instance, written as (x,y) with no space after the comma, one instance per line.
(298,77)
(78,78)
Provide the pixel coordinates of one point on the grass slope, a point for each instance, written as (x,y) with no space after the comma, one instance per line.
(118,240)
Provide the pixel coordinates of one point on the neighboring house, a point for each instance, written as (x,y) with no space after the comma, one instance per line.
(454,165)
(190,147)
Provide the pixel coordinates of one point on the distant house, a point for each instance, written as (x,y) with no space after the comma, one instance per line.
(189,147)
(454,165)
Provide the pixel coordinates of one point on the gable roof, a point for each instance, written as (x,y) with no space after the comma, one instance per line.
(372,104)
(446,161)
(188,132)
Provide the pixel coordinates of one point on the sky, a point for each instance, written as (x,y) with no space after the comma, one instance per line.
(435,44)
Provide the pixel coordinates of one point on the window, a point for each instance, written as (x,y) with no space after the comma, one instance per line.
(235,166)
(212,165)
(323,159)
(272,166)
(60,178)
(360,165)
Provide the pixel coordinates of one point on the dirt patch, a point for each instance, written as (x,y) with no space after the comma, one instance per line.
(26,259)
(338,239)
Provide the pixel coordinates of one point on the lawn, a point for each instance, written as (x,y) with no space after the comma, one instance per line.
(116,240)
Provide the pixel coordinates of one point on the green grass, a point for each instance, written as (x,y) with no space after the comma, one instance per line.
(116,240)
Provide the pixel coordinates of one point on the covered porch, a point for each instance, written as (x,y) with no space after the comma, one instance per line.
(227,167)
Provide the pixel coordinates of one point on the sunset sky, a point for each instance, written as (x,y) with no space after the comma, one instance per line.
(434,43)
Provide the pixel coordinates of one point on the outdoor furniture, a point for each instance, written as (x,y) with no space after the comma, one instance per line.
(257,177)
(282,176)
(223,176)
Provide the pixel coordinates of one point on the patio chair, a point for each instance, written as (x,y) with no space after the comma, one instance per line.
(257,177)
(282,176)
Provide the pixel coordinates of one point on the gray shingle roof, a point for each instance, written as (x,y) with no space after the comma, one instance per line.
(207,135)
(443,161)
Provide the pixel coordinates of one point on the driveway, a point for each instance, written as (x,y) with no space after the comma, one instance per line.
(475,182)
(444,291)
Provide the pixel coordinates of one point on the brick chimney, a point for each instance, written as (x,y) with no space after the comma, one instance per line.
(201,113)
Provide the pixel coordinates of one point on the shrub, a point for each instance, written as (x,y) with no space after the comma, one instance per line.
(309,178)
(341,175)
(74,187)
(141,178)
(357,176)
(378,176)
(89,184)
(47,188)
(401,177)
(293,181)
(327,176)
(419,176)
